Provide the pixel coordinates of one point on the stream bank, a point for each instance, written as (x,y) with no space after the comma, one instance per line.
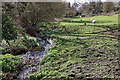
(31,59)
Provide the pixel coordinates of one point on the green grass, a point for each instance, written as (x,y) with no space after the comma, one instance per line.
(82,51)
(100,20)
(18,46)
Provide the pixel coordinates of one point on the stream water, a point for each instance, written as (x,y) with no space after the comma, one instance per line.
(32,59)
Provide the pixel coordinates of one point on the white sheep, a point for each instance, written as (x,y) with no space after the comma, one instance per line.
(93,21)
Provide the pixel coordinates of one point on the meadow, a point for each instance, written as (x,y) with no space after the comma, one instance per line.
(82,51)
(101,20)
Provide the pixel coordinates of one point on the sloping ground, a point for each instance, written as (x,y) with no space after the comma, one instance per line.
(87,52)
(83,51)
(100,20)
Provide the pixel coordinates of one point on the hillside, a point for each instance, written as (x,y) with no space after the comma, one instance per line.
(83,51)
(101,20)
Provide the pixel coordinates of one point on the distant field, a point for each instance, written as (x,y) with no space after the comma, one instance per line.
(101,20)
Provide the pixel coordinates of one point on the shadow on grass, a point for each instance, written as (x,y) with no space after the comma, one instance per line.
(87,21)
(74,41)
(110,27)
(91,34)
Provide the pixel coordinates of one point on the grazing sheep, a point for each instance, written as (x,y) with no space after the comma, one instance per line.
(93,21)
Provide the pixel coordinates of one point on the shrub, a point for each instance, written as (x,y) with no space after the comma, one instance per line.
(9,31)
(30,41)
(10,62)
(10,66)
(21,44)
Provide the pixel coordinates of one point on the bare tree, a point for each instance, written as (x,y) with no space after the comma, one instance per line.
(29,14)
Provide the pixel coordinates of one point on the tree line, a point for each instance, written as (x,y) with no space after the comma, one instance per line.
(95,8)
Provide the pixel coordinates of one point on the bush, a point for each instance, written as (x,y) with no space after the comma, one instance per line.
(9,32)
(10,62)
(29,41)
(20,45)
(10,66)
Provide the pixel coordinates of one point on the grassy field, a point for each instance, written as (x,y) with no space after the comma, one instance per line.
(83,51)
(101,20)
